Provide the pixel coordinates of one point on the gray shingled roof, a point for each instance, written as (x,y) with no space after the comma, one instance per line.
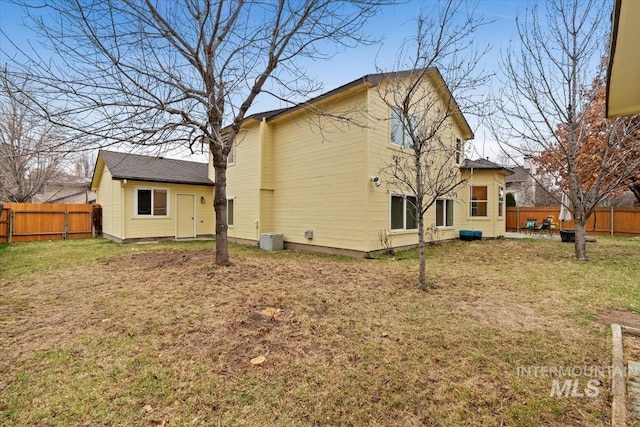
(484,164)
(155,169)
(520,174)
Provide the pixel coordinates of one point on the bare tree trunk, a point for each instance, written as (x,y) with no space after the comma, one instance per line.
(422,279)
(220,206)
(581,240)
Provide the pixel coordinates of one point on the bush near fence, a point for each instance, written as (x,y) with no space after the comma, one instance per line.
(28,222)
(614,221)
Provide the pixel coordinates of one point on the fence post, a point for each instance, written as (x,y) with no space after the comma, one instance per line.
(10,218)
(66,225)
(612,221)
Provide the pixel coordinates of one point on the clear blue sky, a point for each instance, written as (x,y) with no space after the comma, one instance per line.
(394,24)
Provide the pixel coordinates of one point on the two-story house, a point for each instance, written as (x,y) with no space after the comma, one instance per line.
(313,173)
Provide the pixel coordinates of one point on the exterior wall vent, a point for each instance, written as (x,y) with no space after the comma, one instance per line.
(308,234)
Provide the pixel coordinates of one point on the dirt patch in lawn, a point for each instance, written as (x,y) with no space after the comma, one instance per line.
(624,318)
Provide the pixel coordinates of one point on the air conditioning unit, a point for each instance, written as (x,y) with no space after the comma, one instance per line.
(271,241)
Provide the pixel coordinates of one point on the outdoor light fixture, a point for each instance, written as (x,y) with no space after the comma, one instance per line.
(202,200)
(376,181)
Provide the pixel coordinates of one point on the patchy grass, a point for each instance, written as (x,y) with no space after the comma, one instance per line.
(94,333)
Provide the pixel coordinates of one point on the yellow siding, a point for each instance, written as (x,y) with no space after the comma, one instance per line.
(266,137)
(266,179)
(243,184)
(379,198)
(319,178)
(491,225)
(266,211)
(157,227)
(108,195)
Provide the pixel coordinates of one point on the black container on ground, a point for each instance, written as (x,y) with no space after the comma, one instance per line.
(568,235)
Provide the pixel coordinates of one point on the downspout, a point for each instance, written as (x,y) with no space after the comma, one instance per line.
(367,220)
(123,215)
(261,186)
(470,201)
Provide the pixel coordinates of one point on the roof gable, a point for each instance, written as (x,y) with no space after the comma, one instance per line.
(153,169)
(371,80)
(484,164)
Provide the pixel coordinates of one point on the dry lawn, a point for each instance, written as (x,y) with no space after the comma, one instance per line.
(92,333)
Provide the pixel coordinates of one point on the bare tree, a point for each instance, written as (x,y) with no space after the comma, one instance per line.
(545,105)
(427,123)
(157,72)
(31,149)
(83,165)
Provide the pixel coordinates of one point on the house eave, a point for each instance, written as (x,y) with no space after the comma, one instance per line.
(160,180)
(623,69)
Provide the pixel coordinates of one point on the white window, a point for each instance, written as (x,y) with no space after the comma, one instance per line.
(444,213)
(401,124)
(500,201)
(151,202)
(230,209)
(404,212)
(479,200)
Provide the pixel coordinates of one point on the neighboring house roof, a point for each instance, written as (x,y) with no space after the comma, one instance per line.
(85,196)
(61,187)
(154,169)
(485,165)
(623,86)
(520,174)
(371,80)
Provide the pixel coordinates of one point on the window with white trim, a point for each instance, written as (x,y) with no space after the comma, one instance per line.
(500,201)
(151,202)
(230,211)
(479,200)
(400,125)
(404,212)
(444,213)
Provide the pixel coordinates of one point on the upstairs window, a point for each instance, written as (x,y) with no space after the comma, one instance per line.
(151,202)
(458,150)
(479,200)
(404,213)
(400,125)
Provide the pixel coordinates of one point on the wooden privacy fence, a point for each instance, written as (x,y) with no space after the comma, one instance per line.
(615,221)
(28,222)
